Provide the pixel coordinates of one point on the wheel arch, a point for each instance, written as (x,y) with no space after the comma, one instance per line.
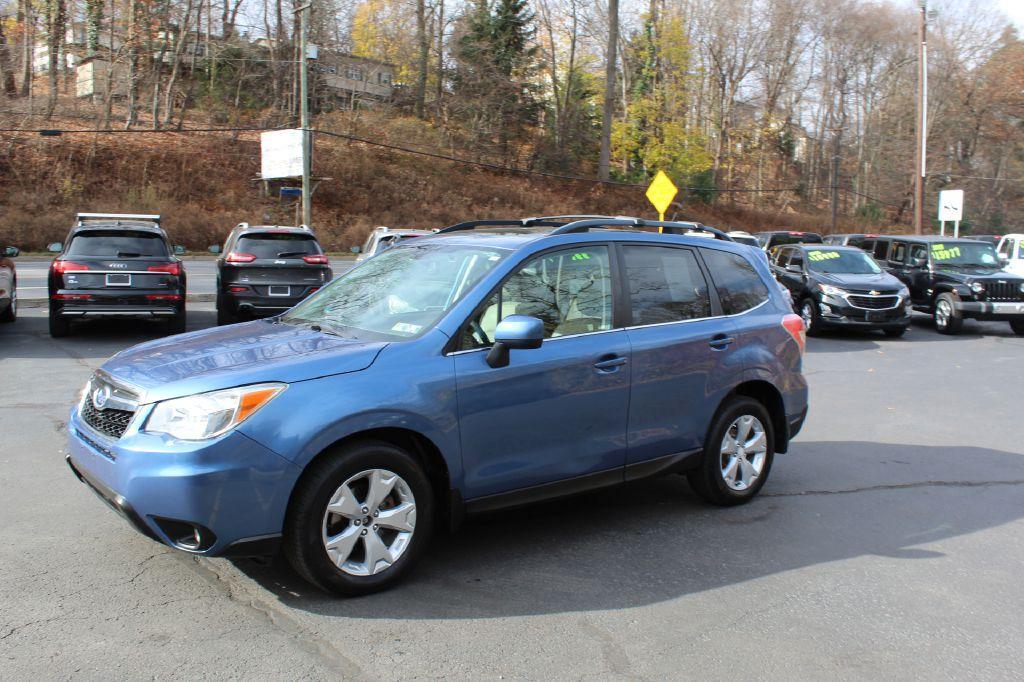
(448,507)
(769,396)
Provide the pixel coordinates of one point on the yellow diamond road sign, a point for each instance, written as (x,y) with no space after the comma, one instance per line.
(661,192)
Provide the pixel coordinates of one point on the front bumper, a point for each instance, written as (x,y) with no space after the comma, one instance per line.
(996,311)
(231,491)
(836,312)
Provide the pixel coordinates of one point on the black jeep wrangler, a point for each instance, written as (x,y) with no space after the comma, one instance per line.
(953,279)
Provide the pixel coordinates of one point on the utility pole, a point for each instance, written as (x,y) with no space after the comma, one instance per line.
(307,139)
(922,118)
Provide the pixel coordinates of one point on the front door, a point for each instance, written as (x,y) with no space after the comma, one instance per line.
(556,412)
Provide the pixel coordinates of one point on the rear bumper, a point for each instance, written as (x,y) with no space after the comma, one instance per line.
(231,490)
(104,303)
(260,305)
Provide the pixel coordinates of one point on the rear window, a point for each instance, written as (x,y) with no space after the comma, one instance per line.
(283,245)
(117,244)
(804,238)
(739,286)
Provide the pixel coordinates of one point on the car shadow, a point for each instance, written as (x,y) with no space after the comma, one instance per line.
(29,336)
(655,541)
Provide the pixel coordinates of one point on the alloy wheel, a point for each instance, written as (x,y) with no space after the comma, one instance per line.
(369,522)
(943,311)
(807,313)
(743,453)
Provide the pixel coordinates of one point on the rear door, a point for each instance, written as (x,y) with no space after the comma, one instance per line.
(681,350)
(118,261)
(274,264)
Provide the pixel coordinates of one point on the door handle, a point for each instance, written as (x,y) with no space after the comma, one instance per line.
(610,364)
(721,341)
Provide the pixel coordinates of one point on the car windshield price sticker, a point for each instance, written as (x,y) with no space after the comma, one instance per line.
(940,252)
(822,255)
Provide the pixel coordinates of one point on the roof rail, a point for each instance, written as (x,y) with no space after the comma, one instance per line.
(81,218)
(542,221)
(622,221)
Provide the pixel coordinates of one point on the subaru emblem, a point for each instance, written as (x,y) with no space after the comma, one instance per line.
(100,397)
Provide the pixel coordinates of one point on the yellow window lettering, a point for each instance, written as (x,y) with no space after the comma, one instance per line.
(822,255)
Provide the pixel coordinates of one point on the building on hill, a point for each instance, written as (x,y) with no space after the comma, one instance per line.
(347,80)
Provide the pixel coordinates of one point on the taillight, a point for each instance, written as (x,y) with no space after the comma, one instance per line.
(170,268)
(62,266)
(239,257)
(316,259)
(794,324)
(163,297)
(237,289)
(314,290)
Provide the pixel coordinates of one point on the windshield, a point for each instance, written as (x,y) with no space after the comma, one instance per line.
(271,245)
(837,262)
(399,294)
(964,254)
(117,244)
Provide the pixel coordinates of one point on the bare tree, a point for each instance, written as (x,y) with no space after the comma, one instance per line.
(608,111)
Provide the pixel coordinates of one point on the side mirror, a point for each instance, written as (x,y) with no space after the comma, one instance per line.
(214,249)
(179,250)
(795,268)
(12,251)
(356,249)
(55,247)
(520,332)
(918,262)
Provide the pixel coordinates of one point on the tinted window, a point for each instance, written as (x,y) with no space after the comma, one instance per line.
(799,238)
(859,242)
(797,258)
(881,249)
(665,285)
(782,257)
(899,252)
(739,286)
(918,251)
(117,244)
(569,290)
(277,245)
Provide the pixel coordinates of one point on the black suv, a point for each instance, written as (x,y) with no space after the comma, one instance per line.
(841,286)
(267,269)
(116,264)
(953,279)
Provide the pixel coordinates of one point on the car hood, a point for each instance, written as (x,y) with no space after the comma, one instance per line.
(881,281)
(223,357)
(974,273)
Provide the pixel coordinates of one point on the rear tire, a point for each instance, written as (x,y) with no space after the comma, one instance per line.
(223,315)
(343,479)
(947,319)
(58,325)
(178,323)
(811,316)
(10,314)
(1018,327)
(738,454)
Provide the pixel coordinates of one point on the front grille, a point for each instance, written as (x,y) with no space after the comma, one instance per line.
(108,422)
(874,302)
(1004,291)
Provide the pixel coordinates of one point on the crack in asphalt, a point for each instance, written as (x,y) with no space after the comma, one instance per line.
(280,619)
(899,486)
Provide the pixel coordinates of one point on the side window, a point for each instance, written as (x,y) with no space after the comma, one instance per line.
(898,253)
(569,290)
(797,258)
(881,249)
(739,286)
(1006,248)
(665,285)
(781,257)
(918,251)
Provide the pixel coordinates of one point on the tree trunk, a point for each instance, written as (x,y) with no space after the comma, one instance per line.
(55,19)
(604,162)
(423,44)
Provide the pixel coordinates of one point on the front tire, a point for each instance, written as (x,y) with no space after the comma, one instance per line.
(359,519)
(738,454)
(947,319)
(811,316)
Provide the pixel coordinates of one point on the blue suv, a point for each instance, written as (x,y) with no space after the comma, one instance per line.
(493,364)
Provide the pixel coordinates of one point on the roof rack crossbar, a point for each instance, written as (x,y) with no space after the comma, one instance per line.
(148,217)
(527,222)
(611,223)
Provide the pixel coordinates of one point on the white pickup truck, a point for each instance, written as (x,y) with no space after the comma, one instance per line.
(1011,253)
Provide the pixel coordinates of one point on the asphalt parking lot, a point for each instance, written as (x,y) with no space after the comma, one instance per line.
(888,542)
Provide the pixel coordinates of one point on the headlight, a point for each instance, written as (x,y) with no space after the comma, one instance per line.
(208,415)
(830,290)
(1022,287)
(977,287)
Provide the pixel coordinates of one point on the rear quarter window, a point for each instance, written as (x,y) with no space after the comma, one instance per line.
(739,286)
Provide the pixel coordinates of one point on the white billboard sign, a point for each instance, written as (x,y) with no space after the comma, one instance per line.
(281,154)
(951,205)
